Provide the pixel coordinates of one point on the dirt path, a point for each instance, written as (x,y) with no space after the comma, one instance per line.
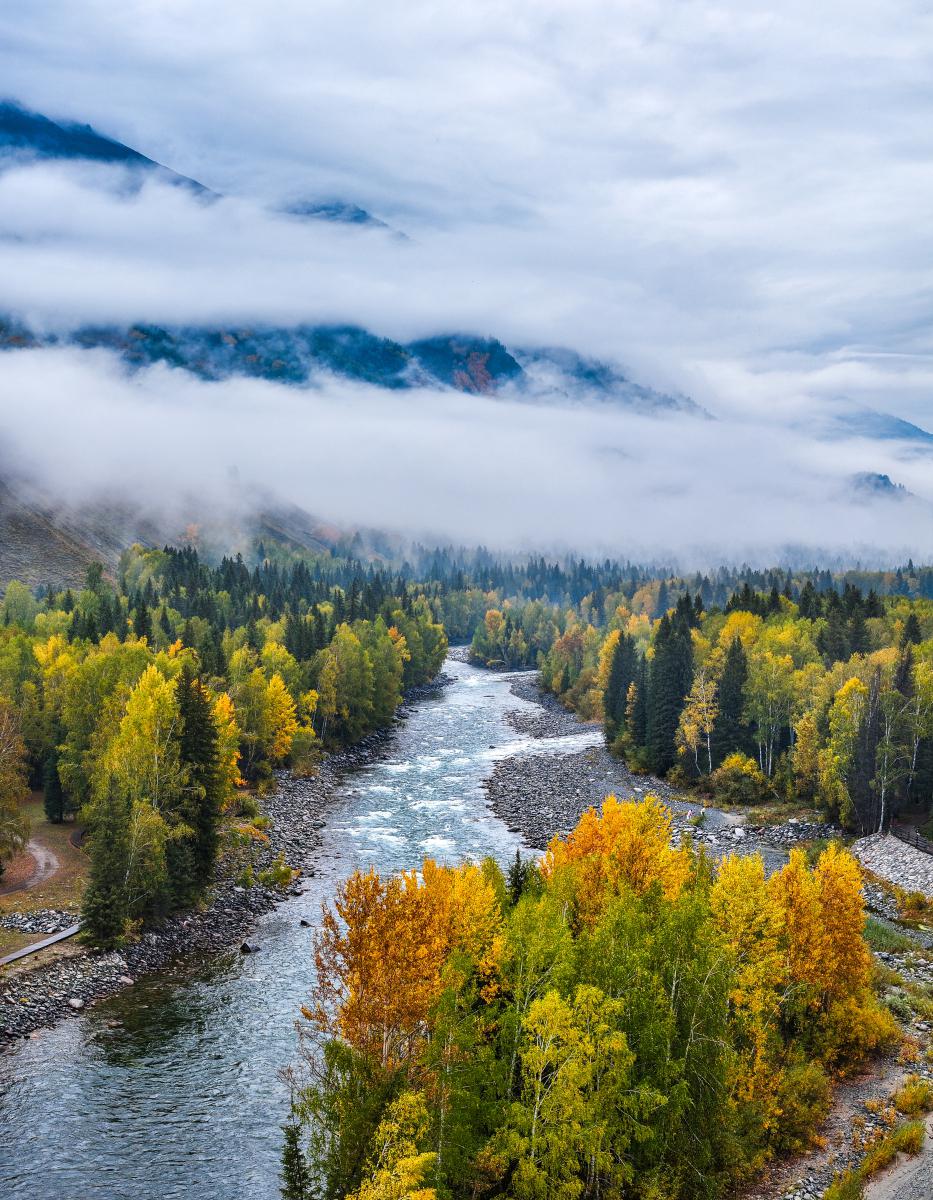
(45,865)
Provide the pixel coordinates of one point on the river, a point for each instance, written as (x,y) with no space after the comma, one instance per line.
(170,1089)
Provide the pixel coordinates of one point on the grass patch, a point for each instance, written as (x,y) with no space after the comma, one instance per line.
(882,937)
(906,1139)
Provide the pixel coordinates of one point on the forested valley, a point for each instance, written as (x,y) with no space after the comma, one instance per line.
(625,1016)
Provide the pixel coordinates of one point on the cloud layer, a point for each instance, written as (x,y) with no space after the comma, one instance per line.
(733,200)
(442,465)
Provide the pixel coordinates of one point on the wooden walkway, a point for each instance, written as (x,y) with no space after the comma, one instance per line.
(49,941)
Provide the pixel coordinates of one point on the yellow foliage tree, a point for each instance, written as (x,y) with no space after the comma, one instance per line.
(283,721)
(228,743)
(381,950)
(625,845)
(751,922)
(397,1168)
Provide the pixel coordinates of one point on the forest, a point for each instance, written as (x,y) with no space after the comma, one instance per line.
(616,1019)
(151,707)
(819,697)
(151,704)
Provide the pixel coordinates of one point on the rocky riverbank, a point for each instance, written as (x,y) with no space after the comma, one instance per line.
(34,997)
(541,795)
(905,866)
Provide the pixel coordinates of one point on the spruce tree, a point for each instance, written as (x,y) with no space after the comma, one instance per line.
(637,709)
(296,1178)
(669,681)
(911,635)
(52,794)
(621,673)
(142,622)
(203,792)
(103,907)
(730,732)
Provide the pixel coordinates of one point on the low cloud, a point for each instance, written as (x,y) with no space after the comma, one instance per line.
(444,465)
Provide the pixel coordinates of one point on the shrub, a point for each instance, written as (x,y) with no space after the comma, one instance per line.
(914,1097)
(845,1187)
(247,806)
(279,875)
(907,1139)
(804,1098)
(739,781)
(898,1004)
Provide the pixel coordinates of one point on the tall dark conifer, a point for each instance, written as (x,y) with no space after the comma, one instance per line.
(52,794)
(142,621)
(103,907)
(637,710)
(669,681)
(622,670)
(296,1177)
(200,757)
(730,732)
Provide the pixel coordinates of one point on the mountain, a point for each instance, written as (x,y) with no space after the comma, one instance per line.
(564,377)
(27,137)
(869,485)
(44,540)
(880,426)
(466,363)
(332,210)
(31,137)
(843,419)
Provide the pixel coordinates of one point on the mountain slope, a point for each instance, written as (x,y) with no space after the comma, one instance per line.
(463,362)
(28,136)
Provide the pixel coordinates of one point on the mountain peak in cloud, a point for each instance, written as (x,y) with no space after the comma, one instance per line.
(26,135)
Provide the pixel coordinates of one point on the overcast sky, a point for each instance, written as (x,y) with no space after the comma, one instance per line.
(731,199)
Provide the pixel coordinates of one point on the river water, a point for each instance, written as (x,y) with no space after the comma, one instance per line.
(170,1089)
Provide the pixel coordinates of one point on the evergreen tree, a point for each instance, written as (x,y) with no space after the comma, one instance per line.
(912,635)
(53,796)
(103,907)
(200,757)
(636,710)
(296,1177)
(142,622)
(809,604)
(730,731)
(622,670)
(858,633)
(669,680)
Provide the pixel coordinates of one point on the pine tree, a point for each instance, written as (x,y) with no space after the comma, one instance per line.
(669,681)
(912,633)
(103,907)
(53,796)
(296,1178)
(142,622)
(730,733)
(636,708)
(203,790)
(621,674)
